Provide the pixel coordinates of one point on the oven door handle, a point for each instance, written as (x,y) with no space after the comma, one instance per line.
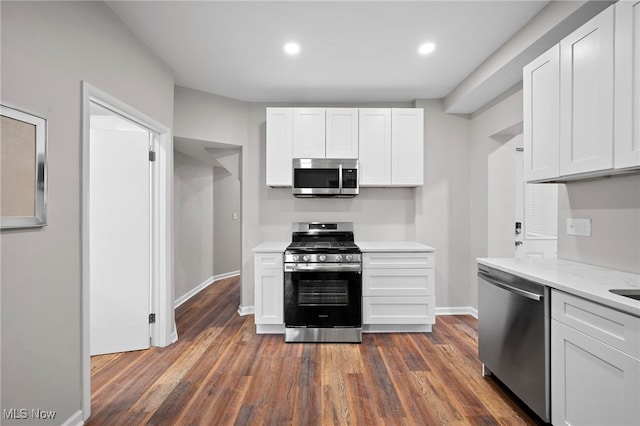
(322,267)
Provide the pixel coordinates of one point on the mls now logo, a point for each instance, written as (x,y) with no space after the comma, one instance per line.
(15,413)
(23,413)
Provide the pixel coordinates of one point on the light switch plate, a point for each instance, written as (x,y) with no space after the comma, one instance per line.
(579,227)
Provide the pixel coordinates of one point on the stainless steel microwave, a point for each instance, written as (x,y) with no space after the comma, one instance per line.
(325,177)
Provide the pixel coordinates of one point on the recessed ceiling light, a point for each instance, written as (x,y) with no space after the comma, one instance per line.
(426,48)
(292,48)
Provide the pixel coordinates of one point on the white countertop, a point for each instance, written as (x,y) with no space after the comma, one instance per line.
(399,246)
(365,246)
(587,281)
(271,247)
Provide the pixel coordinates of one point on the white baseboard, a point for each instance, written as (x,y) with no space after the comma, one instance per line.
(206,283)
(246,310)
(396,328)
(74,420)
(458,310)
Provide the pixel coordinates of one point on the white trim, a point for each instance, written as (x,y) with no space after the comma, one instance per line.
(197,289)
(226,275)
(396,328)
(269,328)
(75,419)
(246,310)
(206,283)
(163,332)
(174,336)
(458,310)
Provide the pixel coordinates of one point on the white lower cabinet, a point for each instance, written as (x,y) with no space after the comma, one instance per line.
(269,290)
(398,289)
(595,364)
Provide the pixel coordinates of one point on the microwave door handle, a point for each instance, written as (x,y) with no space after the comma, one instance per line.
(340,179)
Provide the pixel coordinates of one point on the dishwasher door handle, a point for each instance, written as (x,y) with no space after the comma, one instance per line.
(519,291)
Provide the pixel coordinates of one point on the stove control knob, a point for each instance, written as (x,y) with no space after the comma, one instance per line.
(305,258)
(349,258)
(322,258)
(295,257)
(338,258)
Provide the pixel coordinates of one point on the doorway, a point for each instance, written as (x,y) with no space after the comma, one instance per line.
(120,231)
(207,199)
(537,214)
(156,225)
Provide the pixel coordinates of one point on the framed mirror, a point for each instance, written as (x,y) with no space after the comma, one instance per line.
(23,169)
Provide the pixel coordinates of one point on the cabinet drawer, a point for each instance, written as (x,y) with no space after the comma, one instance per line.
(398,260)
(398,282)
(398,310)
(268,260)
(615,328)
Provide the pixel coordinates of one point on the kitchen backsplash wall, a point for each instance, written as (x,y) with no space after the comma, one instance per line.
(613,205)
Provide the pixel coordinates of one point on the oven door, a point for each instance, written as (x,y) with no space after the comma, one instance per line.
(323,296)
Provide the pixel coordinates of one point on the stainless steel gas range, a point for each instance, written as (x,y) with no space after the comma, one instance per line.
(323,284)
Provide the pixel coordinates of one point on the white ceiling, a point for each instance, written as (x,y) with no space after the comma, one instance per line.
(352,51)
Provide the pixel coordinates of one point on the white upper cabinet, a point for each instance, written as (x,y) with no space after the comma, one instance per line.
(541,95)
(341,133)
(407,146)
(586,96)
(278,146)
(388,142)
(375,146)
(308,133)
(627,84)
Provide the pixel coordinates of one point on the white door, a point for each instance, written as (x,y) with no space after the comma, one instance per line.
(407,145)
(374,146)
(586,96)
(341,136)
(537,213)
(308,133)
(119,214)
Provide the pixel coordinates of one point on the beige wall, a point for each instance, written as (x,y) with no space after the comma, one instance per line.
(227,235)
(442,205)
(613,205)
(193,224)
(48,49)
(486,160)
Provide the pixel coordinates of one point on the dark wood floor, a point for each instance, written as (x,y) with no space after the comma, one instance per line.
(221,372)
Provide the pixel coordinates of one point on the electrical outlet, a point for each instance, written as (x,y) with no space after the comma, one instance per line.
(234,216)
(579,227)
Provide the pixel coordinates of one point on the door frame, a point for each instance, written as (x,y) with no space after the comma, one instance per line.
(163,332)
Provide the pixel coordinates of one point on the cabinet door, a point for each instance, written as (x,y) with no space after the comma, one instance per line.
(398,310)
(541,94)
(374,142)
(279,144)
(407,146)
(308,133)
(269,288)
(627,84)
(342,133)
(591,383)
(397,282)
(586,97)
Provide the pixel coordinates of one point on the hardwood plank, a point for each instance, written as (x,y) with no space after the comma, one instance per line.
(221,372)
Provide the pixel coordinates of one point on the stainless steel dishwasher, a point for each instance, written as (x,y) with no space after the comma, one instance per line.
(514,336)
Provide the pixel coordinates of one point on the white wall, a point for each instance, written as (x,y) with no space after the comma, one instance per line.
(193,224)
(486,151)
(613,205)
(227,235)
(442,204)
(48,48)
